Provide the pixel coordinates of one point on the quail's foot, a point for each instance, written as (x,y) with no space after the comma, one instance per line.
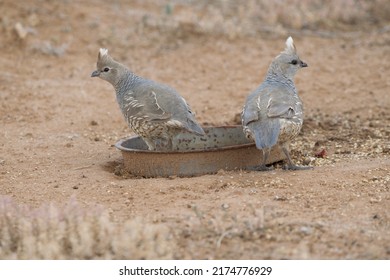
(297,167)
(261,167)
(290,165)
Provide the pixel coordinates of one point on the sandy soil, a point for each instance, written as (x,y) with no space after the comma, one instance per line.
(58,127)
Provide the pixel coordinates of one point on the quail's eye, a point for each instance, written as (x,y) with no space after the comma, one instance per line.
(106,69)
(294,62)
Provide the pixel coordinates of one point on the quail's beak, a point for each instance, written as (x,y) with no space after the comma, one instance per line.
(95,73)
(303,64)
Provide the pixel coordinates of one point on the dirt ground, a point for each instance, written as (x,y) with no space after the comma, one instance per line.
(58,128)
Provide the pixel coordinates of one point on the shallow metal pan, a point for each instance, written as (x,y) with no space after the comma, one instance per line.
(224,147)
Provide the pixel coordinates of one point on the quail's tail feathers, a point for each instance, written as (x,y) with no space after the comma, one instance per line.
(265,133)
(195,127)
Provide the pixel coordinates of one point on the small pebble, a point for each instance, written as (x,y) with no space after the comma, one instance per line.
(225,206)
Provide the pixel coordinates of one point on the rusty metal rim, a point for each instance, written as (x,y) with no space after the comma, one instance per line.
(119,146)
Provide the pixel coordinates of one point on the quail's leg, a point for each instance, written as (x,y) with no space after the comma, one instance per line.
(291,165)
(151,144)
(169,144)
(262,166)
(162,144)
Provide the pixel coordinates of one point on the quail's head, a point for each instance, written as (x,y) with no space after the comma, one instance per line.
(288,62)
(107,68)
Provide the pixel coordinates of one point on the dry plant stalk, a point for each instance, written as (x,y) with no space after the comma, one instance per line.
(74,232)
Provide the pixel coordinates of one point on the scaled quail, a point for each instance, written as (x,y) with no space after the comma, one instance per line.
(273,113)
(154,111)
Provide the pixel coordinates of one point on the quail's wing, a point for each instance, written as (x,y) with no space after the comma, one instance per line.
(144,103)
(280,109)
(251,109)
(160,103)
(281,105)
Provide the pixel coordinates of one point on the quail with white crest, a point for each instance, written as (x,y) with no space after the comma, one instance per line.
(273,113)
(154,111)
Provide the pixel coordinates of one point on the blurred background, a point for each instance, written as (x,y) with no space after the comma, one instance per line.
(122,22)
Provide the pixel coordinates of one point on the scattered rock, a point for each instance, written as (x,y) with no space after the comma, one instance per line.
(306,230)
(225,206)
(280,198)
(21,31)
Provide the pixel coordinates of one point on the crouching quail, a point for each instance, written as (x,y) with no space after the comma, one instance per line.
(273,113)
(154,111)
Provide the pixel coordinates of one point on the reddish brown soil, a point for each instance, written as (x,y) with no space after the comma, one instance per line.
(58,127)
